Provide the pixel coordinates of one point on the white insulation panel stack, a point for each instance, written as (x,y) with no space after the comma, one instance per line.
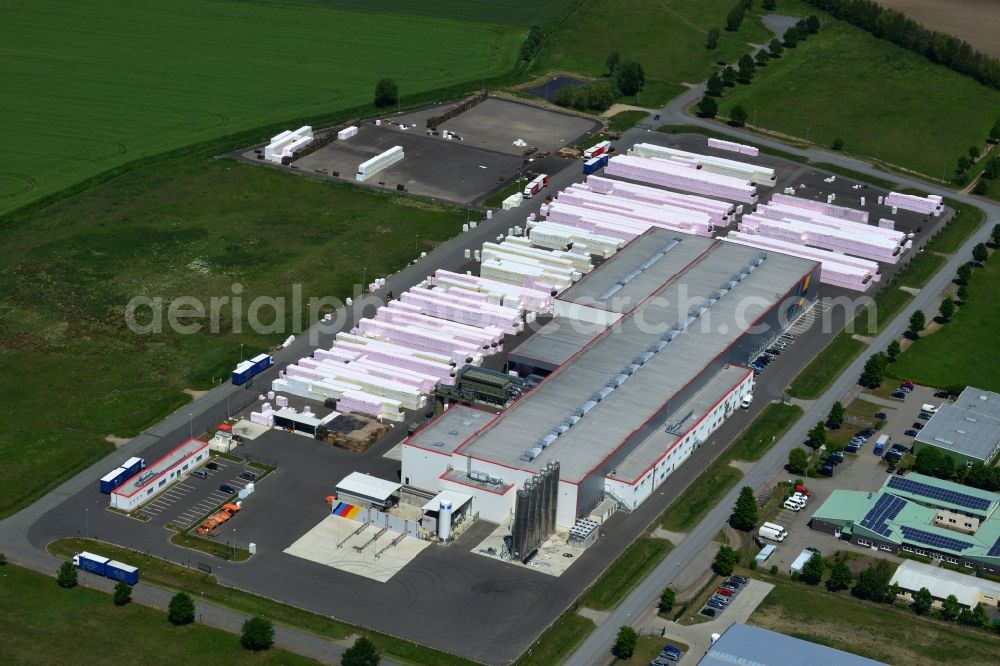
(380,162)
(756,174)
(741,148)
(932,204)
(286,143)
(681,176)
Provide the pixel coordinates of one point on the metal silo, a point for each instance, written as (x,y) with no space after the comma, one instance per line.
(553,504)
(519,527)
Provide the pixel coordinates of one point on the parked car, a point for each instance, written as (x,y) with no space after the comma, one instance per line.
(774,351)
(742,580)
(800,496)
(911,433)
(837,456)
(942,394)
(732,581)
(906,389)
(826,470)
(249,476)
(917,425)
(852,448)
(899,395)
(671,652)
(925,416)
(708,612)
(227,489)
(724,591)
(867,433)
(788,336)
(901,471)
(200,473)
(902,448)
(719,599)
(881,416)
(662,661)
(907,383)
(212,466)
(890,469)
(793,506)
(717,605)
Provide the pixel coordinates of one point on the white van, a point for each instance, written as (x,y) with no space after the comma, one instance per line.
(747,401)
(772,531)
(930,409)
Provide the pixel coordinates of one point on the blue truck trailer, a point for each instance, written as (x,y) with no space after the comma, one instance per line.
(95,564)
(120,475)
(247,369)
(123,572)
(595,163)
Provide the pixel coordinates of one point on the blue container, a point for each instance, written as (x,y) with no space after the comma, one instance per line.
(134,465)
(93,563)
(113,479)
(124,572)
(262,362)
(243,372)
(595,163)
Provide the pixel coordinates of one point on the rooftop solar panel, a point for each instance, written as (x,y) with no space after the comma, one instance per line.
(935,540)
(933,492)
(995,550)
(886,508)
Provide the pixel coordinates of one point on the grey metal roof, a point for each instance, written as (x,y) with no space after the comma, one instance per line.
(583,447)
(979,401)
(445,433)
(654,446)
(752,646)
(589,289)
(963,431)
(556,342)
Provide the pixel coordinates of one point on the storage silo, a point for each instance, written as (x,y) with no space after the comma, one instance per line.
(553,468)
(444,520)
(520,526)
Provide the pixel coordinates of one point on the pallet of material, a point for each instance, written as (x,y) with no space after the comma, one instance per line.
(797,231)
(522,246)
(409,336)
(721,212)
(353,432)
(659,215)
(667,173)
(828,209)
(784,211)
(464,311)
(532,298)
(741,148)
(562,237)
(755,173)
(932,204)
(620,224)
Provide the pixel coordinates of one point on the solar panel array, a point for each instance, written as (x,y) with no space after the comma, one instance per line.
(933,492)
(935,540)
(886,508)
(995,550)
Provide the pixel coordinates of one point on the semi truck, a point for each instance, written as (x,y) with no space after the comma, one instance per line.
(120,475)
(103,566)
(595,163)
(248,369)
(772,531)
(598,149)
(535,186)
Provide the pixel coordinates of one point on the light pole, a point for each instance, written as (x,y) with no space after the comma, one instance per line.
(241,352)
(234,544)
(86,513)
(190,425)
(364,278)
(415,239)
(755,116)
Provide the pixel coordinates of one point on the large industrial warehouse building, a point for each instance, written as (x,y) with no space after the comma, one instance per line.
(647,357)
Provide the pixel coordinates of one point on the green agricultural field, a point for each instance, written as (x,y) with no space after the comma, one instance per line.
(91,87)
(882,100)
(959,353)
(82,626)
(666,36)
(180,227)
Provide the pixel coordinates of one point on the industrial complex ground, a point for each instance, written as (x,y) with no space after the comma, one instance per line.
(83,386)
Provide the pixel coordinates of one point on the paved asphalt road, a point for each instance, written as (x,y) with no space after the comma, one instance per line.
(596,649)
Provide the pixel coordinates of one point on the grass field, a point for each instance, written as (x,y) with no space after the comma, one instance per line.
(632,566)
(166,574)
(845,83)
(958,354)
(91,88)
(758,437)
(625,120)
(82,626)
(171,229)
(666,36)
(558,641)
(877,631)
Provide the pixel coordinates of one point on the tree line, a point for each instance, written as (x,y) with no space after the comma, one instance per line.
(903,31)
(532,42)
(625,78)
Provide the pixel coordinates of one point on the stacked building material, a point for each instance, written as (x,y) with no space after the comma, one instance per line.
(932,204)
(464,310)
(532,297)
(669,216)
(681,176)
(741,148)
(380,162)
(347,133)
(830,210)
(858,240)
(521,247)
(623,223)
(264,417)
(285,144)
(783,211)
(721,212)
(840,270)
(513,201)
(756,174)
(562,237)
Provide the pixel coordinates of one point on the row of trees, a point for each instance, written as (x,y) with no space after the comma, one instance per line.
(257,632)
(734,19)
(896,27)
(746,68)
(532,42)
(625,77)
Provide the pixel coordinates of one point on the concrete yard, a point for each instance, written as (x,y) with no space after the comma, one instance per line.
(335,543)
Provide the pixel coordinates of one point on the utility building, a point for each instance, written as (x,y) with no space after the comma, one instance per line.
(968,431)
(648,359)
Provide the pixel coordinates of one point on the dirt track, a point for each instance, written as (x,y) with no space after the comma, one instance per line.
(975,21)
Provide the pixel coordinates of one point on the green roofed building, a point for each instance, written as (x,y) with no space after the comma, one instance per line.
(918,514)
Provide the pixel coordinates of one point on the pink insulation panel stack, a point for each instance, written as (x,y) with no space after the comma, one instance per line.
(410,336)
(464,310)
(732,146)
(530,297)
(682,177)
(886,223)
(623,224)
(781,211)
(796,231)
(837,269)
(932,204)
(830,210)
(720,211)
(668,216)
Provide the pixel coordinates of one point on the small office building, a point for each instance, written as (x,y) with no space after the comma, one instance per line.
(967,431)
(156,478)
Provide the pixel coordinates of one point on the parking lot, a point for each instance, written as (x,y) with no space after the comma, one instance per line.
(187,502)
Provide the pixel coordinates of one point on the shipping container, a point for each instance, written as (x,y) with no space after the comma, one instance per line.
(134,465)
(536,185)
(123,572)
(92,563)
(113,479)
(247,369)
(262,361)
(598,149)
(595,163)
